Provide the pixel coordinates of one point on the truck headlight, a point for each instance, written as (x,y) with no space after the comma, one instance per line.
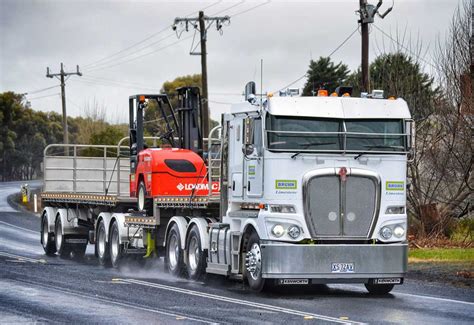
(294,232)
(395,210)
(278,230)
(386,232)
(282,208)
(399,231)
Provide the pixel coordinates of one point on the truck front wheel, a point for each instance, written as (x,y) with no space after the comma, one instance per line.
(379,289)
(253,263)
(47,238)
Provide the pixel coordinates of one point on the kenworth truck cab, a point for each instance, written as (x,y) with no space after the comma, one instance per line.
(317,187)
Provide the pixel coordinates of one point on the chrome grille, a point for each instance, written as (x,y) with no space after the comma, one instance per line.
(339,208)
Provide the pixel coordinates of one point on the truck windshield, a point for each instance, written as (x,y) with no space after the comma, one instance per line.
(299,134)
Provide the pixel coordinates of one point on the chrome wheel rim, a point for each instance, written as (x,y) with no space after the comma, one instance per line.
(193,251)
(141,199)
(254,261)
(101,242)
(173,251)
(115,245)
(45,234)
(59,236)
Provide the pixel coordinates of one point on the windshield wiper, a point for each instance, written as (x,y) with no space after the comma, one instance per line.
(311,144)
(378,146)
(382,146)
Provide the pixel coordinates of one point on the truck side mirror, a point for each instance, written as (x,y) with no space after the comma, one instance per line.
(410,139)
(248,149)
(250,91)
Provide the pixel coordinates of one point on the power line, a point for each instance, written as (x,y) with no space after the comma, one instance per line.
(135,84)
(112,56)
(250,9)
(140,56)
(330,54)
(137,50)
(405,48)
(50,95)
(228,8)
(40,90)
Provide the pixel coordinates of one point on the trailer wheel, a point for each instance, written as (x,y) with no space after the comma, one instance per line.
(63,249)
(116,249)
(196,257)
(47,238)
(144,204)
(101,245)
(174,259)
(253,263)
(379,289)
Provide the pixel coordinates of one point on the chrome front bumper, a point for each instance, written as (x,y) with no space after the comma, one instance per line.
(293,261)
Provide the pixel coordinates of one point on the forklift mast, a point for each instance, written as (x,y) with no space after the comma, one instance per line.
(190,119)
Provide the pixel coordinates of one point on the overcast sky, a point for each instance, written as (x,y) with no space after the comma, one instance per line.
(285,34)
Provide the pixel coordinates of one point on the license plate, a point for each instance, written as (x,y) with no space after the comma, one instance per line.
(342,267)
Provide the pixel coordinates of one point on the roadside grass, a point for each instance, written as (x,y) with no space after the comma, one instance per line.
(441,255)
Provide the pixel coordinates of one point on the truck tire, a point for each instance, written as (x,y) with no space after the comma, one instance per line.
(101,245)
(143,203)
(379,289)
(174,259)
(253,263)
(196,257)
(47,238)
(116,249)
(63,249)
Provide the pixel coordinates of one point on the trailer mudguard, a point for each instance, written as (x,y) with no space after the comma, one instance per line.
(50,214)
(202,226)
(182,224)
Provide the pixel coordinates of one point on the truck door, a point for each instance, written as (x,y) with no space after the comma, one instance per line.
(253,157)
(236,158)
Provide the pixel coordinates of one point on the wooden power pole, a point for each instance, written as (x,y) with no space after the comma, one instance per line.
(367,13)
(202,23)
(61,76)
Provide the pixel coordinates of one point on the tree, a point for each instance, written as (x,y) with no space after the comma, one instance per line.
(401,76)
(323,73)
(442,173)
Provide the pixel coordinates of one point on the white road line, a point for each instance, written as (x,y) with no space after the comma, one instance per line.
(240,302)
(21,228)
(122,304)
(423,297)
(435,298)
(19,257)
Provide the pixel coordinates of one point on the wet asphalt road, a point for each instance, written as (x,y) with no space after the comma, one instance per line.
(37,288)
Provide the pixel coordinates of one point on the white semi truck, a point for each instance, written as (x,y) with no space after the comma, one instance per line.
(288,191)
